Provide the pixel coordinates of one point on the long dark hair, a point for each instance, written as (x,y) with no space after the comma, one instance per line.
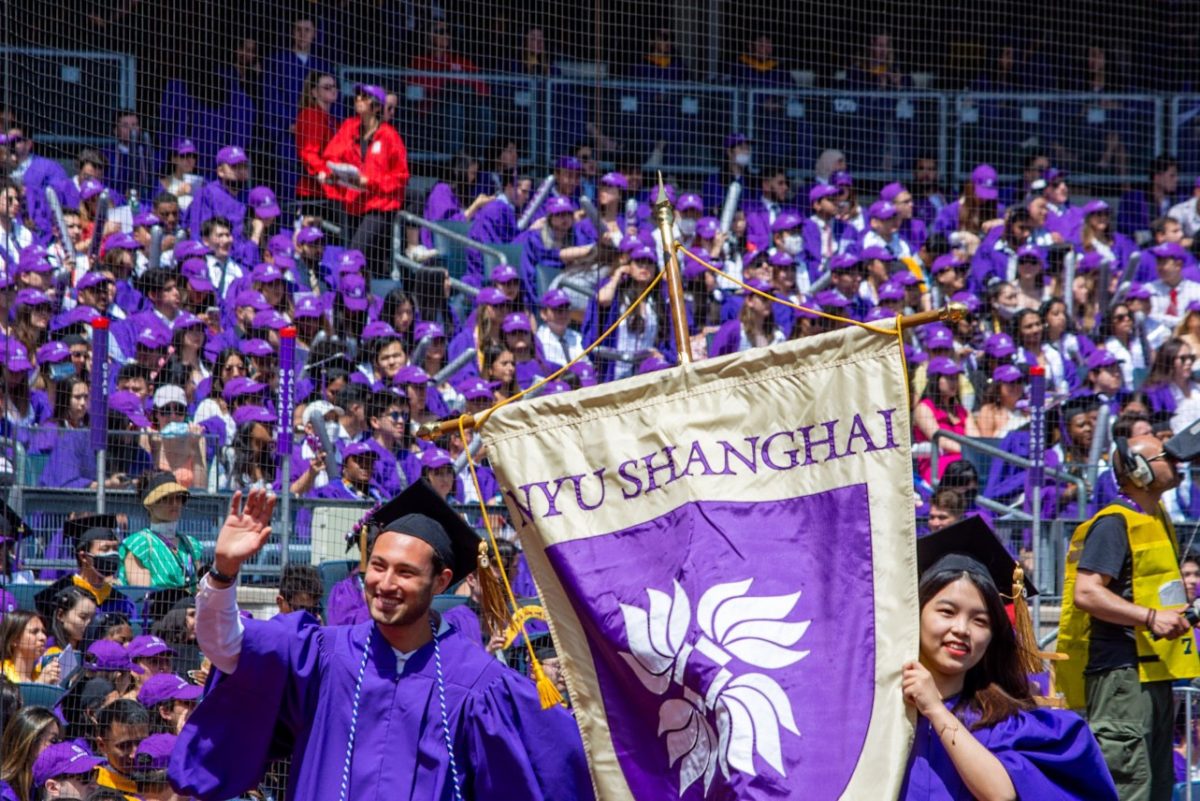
(1015,330)
(997,687)
(62,399)
(1164,362)
(66,600)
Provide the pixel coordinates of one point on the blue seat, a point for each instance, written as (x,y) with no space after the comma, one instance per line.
(33,694)
(512,255)
(1180,793)
(454,254)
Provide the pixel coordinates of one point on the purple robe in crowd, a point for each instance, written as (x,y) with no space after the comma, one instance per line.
(494,224)
(132,169)
(68,194)
(41,173)
(294,694)
(346,605)
(283,83)
(216,200)
(947,219)
(209,127)
(440,205)
(466,622)
(1135,211)
(1049,754)
(758,221)
(8,603)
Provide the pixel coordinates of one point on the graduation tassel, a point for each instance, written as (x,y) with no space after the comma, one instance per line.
(493,605)
(548,694)
(1031,661)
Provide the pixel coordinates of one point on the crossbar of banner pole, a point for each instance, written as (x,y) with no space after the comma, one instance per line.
(950,313)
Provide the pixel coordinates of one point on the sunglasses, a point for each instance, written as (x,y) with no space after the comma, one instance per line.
(1117,318)
(1186,359)
(396,416)
(173,409)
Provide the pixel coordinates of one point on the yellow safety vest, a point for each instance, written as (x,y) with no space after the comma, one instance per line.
(1156,574)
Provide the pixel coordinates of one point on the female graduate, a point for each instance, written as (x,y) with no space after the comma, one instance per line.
(979,733)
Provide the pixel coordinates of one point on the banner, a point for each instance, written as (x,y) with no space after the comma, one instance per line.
(726,555)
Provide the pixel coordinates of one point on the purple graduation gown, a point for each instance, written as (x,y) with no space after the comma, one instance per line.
(347,606)
(1050,755)
(293,694)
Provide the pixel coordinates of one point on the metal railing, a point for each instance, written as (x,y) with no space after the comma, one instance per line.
(1002,455)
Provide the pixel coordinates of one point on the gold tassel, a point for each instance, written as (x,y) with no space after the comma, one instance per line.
(1031,662)
(493,607)
(548,694)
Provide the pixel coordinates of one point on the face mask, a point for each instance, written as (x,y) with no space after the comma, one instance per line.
(165,530)
(687,227)
(742,159)
(1007,312)
(792,244)
(106,564)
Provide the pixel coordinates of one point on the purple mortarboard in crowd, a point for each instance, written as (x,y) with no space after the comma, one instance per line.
(786,221)
(1138,292)
(999,346)
(781,260)
(555,387)
(760,285)
(475,388)
(411,375)
(985,181)
(53,352)
(503,274)
(232,156)
(652,364)
(118,241)
(239,386)
(882,210)
(196,273)
(967,299)
(280,243)
(163,687)
(308,305)
(831,300)
(891,192)
(890,291)
(378,329)
(937,337)
(270,318)
(946,261)
(1169,250)
(689,201)
(876,252)
(32,297)
(146,219)
(1008,374)
(353,289)
(33,264)
(615,180)
(707,227)
(879,313)
(940,365)
(1031,253)
(433,458)
(262,201)
(79,314)
(1095,207)
(109,654)
(90,279)
(905,278)
(559,205)
(555,299)
(190,248)
(351,261)
(735,139)
(252,413)
(350,449)
(154,753)
(1092,261)
(283,261)
(517,321)
(841,178)
(255,347)
(265,273)
(914,356)
(843,261)
(490,296)
(1101,357)
(309,234)
(89,188)
(822,191)
(148,645)
(63,759)
(568,163)
(376,93)
(184,147)
(154,337)
(428,328)
(16,357)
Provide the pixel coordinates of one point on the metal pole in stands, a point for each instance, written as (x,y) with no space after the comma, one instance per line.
(664,216)
(1037,452)
(287,392)
(98,404)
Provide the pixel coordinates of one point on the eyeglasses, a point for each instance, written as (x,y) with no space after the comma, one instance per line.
(1119,318)
(1186,359)
(396,416)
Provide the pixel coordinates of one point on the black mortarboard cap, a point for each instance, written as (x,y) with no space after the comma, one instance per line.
(79,531)
(971,545)
(1083,402)
(12,527)
(159,602)
(420,512)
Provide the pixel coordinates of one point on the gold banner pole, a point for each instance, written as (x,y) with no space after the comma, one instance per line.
(664,215)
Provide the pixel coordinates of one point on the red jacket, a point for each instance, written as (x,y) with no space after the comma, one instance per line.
(385,168)
(314,128)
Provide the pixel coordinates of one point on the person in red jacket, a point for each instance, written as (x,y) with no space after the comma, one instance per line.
(315,127)
(371,195)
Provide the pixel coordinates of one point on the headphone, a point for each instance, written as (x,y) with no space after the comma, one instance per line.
(1133,466)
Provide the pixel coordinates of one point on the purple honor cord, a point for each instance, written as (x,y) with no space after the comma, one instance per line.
(441,690)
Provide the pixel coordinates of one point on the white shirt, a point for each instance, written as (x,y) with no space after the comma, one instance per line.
(1187,216)
(559,351)
(1160,300)
(232,270)
(1132,358)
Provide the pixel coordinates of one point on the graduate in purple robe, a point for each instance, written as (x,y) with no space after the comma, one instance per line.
(979,731)
(398,706)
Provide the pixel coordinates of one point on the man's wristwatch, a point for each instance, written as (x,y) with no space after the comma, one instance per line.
(221,577)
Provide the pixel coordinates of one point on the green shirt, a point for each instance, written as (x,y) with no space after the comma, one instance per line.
(167,568)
